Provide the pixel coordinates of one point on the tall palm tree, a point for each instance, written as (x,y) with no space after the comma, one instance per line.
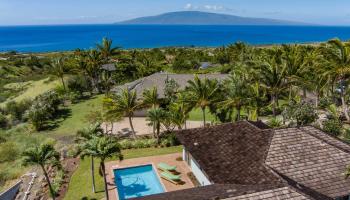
(106,81)
(102,148)
(85,135)
(43,155)
(202,93)
(106,49)
(126,103)
(238,93)
(58,68)
(151,98)
(155,116)
(338,55)
(272,76)
(93,67)
(294,55)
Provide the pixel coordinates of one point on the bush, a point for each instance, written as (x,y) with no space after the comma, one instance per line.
(17,110)
(303,113)
(138,143)
(8,152)
(78,84)
(274,123)
(324,102)
(332,127)
(4,123)
(169,140)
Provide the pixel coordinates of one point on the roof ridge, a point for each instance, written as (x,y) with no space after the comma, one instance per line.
(324,140)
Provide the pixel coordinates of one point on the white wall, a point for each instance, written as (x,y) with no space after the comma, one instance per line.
(202,179)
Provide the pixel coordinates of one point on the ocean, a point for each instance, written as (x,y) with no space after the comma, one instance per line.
(70,37)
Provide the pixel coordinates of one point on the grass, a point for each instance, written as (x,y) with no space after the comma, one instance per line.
(80,184)
(22,137)
(76,118)
(197,115)
(31,89)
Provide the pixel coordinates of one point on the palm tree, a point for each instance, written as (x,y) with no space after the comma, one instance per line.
(338,55)
(106,81)
(126,103)
(202,93)
(150,98)
(58,68)
(106,49)
(43,155)
(238,93)
(102,148)
(155,116)
(272,76)
(85,135)
(294,55)
(93,67)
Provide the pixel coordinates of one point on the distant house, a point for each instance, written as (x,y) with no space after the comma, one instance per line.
(158,80)
(109,67)
(248,160)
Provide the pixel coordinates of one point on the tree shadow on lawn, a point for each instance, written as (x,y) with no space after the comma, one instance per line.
(61,115)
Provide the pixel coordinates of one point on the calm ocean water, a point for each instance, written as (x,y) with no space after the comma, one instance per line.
(70,37)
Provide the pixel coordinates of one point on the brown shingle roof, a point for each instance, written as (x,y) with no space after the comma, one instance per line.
(316,162)
(231,153)
(247,162)
(210,192)
(283,193)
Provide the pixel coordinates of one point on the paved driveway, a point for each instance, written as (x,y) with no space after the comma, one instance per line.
(141,126)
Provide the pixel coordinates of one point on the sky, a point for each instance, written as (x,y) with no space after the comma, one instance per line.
(39,12)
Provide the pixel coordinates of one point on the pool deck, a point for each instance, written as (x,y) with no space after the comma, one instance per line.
(170,159)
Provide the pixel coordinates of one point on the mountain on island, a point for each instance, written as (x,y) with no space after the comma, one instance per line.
(204,18)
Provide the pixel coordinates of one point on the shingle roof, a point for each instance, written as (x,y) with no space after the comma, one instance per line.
(316,162)
(158,80)
(283,193)
(215,191)
(247,162)
(231,153)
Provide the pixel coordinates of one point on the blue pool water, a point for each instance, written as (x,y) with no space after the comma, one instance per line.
(137,181)
(70,37)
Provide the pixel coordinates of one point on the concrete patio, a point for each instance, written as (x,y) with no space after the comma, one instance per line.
(122,128)
(170,159)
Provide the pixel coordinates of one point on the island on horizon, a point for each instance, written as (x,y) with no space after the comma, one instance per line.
(206,18)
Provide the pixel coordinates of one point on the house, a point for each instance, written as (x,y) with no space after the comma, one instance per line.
(158,80)
(248,160)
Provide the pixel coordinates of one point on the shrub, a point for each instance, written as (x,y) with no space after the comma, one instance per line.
(303,113)
(17,110)
(8,152)
(169,140)
(324,102)
(274,123)
(125,144)
(332,126)
(138,143)
(37,115)
(4,123)
(78,84)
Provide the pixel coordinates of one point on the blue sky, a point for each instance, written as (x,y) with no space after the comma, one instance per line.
(25,12)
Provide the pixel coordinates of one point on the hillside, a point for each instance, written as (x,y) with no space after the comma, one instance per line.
(205,18)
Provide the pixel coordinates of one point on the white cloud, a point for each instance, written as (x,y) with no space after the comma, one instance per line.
(208,7)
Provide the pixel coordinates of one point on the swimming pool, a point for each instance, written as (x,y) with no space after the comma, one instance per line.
(137,182)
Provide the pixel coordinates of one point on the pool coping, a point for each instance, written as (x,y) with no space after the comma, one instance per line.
(155,169)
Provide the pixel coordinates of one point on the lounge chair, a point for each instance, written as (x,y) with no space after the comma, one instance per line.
(165,167)
(176,179)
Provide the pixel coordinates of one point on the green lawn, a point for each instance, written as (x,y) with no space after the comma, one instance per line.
(77,117)
(31,89)
(80,184)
